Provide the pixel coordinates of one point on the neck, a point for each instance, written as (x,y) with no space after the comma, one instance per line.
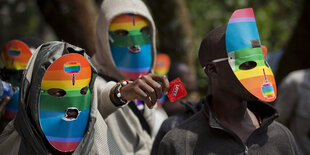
(228,108)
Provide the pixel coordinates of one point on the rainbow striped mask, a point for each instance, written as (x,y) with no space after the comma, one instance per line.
(130,45)
(15,55)
(162,64)
(65,101)
(245,56)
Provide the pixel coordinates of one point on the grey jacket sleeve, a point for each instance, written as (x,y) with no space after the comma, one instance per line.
(105,105)
(289,140)
(178,142)
(166,147)
(287,99)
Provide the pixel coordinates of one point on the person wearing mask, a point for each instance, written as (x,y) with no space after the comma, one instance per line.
(234,119)
(126,50)
(63,103)
(14,56)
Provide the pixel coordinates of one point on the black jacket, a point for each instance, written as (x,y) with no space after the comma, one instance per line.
(174,121)
(203,134)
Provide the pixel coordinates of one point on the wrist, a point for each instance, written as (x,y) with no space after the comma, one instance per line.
(116,95)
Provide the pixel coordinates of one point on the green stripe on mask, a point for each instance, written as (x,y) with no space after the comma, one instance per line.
(60,104)
(133,38)
(241,61)
(249,54)
(71,93)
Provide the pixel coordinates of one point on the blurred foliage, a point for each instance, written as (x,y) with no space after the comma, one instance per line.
(275,19)
(21,18)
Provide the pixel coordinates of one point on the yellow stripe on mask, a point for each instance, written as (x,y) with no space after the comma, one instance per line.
(64,84)
(128,25)
(257,71)
(17,65)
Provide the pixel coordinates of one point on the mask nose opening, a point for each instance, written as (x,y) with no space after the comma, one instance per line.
(71,114)
(134,49)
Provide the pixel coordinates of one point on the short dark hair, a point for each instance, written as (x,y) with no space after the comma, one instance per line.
(213,46)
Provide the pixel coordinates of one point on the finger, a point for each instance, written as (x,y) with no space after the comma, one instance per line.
(4,102)
(155,85)
(149,91)
(163,79)
(142,95)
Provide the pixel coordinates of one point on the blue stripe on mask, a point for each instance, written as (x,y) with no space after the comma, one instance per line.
(239,31)
(54,126)
(124,59)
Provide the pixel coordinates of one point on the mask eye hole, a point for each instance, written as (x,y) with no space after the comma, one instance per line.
(248,65)
(84,90)
(56,92)
(145,29)
(121,32)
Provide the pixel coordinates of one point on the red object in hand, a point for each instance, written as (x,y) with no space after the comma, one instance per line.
(176,90)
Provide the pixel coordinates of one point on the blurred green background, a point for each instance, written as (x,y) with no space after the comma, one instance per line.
(181,25)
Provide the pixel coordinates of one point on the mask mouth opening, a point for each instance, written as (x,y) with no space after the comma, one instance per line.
(134,49)
(71,114)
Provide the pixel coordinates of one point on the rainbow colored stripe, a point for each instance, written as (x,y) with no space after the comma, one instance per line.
(16,55)
(162,64)
(268,91)
(65,135)
(14,51)
(128,22)
(72,67)
(161,100)
(131,65)
(241,34)
(12,107)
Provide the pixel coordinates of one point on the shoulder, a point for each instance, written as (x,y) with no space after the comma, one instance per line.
(278,133)
(178,141)
(296,77)
(187,133)
(282,137)
(279,129)
(173,121)
(195,122)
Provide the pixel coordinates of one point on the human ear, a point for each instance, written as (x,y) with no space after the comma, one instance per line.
(211,69)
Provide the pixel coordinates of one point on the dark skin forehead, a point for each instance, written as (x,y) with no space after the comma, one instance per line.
(213,46)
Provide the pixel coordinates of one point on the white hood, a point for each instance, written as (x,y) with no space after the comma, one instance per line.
(110,9)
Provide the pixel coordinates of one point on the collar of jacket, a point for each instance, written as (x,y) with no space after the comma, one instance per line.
(266,112)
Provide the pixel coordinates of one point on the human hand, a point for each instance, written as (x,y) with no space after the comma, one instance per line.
(146,88)
(3,104)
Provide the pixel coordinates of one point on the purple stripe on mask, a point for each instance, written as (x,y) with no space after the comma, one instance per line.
(66,140)
(134,69)
(245,19)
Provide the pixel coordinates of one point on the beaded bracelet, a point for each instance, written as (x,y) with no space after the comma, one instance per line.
(117,92)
